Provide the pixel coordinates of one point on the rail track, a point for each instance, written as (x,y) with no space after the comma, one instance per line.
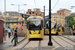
(27,43)
(64,42)
(58,41)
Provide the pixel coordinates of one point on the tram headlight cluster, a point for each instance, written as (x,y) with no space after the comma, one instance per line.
(29,32)
(39,32)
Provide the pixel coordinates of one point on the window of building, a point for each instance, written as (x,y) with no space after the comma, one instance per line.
(40,14)
(29,12)
(33,12)
(8,19)
(7,13)
(2,14)
(15,17)
(20,17)
(53,16)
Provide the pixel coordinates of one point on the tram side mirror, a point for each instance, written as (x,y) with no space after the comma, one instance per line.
(55,26)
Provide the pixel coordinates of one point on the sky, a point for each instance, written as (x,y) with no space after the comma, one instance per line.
(39,4)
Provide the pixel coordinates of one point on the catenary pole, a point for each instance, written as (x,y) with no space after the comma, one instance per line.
(50,43)
(44,19)
(5,11)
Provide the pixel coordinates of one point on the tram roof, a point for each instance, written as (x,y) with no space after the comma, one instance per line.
(35,17)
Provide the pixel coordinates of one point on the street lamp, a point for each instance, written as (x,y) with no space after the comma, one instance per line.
(44,19)
(50,43)
(24,17)
(19,9)
(5,11)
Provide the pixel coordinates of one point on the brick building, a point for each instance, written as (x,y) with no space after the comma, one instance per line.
(12,19)
(56,17)
(64,12)
(35,12)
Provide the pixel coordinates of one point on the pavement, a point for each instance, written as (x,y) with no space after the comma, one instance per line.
(7,43)
(33,45)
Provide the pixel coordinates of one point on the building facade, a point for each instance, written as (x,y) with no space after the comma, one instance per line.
(1,17)
(12,19)
(64,12)
(35,12)
(56,17)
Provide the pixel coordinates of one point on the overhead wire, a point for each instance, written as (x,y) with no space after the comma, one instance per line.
(35,3)
(55,4)
(48,9)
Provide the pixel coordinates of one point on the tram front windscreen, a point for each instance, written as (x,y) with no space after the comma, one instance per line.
(52,24)
(35,24)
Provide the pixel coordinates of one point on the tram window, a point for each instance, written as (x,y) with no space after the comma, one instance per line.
(34,27)
(55,26)
(34,24)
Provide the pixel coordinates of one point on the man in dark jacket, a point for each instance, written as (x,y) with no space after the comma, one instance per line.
(15,35)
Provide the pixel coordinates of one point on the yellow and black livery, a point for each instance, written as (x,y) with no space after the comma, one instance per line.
(35,27)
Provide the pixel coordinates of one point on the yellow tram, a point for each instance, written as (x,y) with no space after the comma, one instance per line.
(53,28)
(35,27)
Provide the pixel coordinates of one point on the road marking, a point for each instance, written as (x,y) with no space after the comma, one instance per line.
(54,48)
(31,48)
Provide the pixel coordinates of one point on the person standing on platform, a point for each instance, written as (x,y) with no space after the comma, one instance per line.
(9,32)
(15,35)
(12,31)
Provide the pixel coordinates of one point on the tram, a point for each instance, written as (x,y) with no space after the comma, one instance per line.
(35,27)
(53,28)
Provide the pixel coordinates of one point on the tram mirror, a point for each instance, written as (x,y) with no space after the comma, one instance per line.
(55,26)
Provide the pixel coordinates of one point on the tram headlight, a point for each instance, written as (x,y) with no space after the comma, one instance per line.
(29,32)
(39,32)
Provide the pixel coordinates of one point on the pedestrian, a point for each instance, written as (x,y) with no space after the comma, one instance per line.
(9,32)
(6,31)
(12,31)
(15,36)
(73,31)
(63,29)
(58,29)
